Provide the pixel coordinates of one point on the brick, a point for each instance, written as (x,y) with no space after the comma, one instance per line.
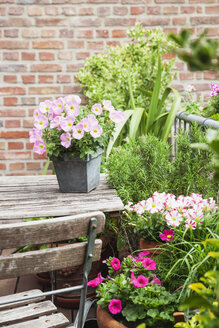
(52,10)
(13,68)
(14,44)
(103,11)
(28,79)
(2,11)
(2,166)
(179,20)
(120,10)
(113,43)
(30,33)
(170,10)
(16,166)
(33,166)
(170,1)
(37,156)
(69,11)
(155,21)
(28,123)
(119,33)
(137,10)
(28,101)
(186,76)
(16,11)
(12,91)
(51,22)
(15,21)
(48,44)
(48,33)
(10,78)
(13,33)
(46,56)
(170,30)
(86,11)
(202,1)
(43,90)
(65,33)
(199,10)
(14,134)
(34,11)
(85,34)
(15,145)
(12,155)
(210,75)
(71,89)
(211,31)
(28,55)
(45,79)
(74,67)
(12,112)
(201,87)
(204,20)
(75,44)
(82,55)
(187,9)
(65,55)
(155,10)
(12,124)
(212,10)
(102,33)
(46,68)
(120,21)
(11,56)
(85,22)
(10,101)
(63,79)
(99,45)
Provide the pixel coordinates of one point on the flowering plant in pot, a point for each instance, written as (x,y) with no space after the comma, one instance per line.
(163,217)
(71,132)
(133,294)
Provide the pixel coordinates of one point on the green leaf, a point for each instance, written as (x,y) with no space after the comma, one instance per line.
(45,169)
(153,313)
(135,122)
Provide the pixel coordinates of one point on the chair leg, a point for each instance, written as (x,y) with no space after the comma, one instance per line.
(16,285)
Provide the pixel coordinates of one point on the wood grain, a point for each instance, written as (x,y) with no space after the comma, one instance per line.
(9,298)
(55,320)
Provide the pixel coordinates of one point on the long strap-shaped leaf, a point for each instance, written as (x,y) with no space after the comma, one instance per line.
(135,122)
(171,116)
(117,131)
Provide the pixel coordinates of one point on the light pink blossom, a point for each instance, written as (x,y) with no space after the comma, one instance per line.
(97,109)
(115,306)
(86,124)
(117,116)
(140,282)
(65,139)
(78,131)
(95,282)
(67,123)
(35,135)
(58,106)
(75,98)
(96,131)
(41,122)
(92,120)
(107,105)
(72,108)
(45,106)
(39,147)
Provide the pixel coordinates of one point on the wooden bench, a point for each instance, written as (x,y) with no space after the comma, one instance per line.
(31,308)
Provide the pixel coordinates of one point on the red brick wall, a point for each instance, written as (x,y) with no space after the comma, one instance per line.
(43,44)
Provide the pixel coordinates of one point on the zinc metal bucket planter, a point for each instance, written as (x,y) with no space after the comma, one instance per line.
(76,175)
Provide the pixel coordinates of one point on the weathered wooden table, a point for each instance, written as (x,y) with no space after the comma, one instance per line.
(39,196)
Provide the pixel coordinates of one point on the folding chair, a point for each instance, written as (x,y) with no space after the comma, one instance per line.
(30,308)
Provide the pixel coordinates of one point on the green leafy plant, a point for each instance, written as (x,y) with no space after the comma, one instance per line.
(132,293)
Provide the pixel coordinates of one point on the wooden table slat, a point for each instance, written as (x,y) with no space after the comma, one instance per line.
(12,297)
(55,320)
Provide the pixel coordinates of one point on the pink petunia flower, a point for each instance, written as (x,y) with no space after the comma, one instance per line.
(117,116)
(41,122)
(35,135)
(167,235)
(72,108)
(97,109)
(58,106)
(86,124)
(67,123)
(92,120)
(156,281)
(140,282)
(149,264)
(95,282)
(115,306)
(107,105)
(144,253)
(78,131)
(96,131)
(39,147)
(65,140)
(45,106)
(115,263)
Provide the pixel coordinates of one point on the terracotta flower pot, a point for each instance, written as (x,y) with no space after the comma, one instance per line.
(151,246)
(105,320)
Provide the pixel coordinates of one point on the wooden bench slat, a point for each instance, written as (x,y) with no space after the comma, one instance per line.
(56,320)
(56,258)
(19,295)
(29,311)
(50,230)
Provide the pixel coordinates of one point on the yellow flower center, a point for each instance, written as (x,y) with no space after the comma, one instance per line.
(169,236)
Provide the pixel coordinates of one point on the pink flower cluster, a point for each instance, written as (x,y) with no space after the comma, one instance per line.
(64,114)
(186,210)
(214,90)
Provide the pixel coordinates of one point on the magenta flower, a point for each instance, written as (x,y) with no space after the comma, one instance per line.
(96,131)
(115,263)
(115,306)
(39,147)
(149,264)
(78,131)
(95,282)
(167,235)
(143,254)
(41,122)
(97,109)
(65,140)
(117,116)
(156,281)
(140,282)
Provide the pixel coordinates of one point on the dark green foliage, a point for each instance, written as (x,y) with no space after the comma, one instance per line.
(139,168)
(191,170)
